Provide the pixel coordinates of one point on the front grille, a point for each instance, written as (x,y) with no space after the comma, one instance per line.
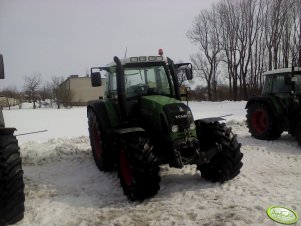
(177,114)
(183,123)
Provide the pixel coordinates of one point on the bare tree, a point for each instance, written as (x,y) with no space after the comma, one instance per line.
(275,18)
(32,84)
(247,37)
(250,12)
(205,33)
(229,25)
(52,85)
(295,45)
(60,91)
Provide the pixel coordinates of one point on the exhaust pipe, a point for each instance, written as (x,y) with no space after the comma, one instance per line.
(173,73)
(121,88)
(1,67)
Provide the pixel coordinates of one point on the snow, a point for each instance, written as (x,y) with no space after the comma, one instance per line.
(64,187)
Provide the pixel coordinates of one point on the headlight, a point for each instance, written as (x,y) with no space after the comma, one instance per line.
(174,128)
(192,126)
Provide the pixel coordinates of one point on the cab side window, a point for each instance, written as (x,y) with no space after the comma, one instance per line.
(281,84)
(267,88)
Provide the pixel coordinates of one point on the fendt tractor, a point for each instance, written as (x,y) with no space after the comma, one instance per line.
(141,123)
(11,173)
(277,109)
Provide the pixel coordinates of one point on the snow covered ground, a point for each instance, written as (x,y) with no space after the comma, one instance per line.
(64,187)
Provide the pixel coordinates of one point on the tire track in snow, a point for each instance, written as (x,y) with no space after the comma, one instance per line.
(63,181)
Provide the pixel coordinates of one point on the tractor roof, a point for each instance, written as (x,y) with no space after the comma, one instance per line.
(139,59)
(282,70)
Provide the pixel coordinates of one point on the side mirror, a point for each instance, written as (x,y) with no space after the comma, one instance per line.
(1,67)
(188,72)
(95,79)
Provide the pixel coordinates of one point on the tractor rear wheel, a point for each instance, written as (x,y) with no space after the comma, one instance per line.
(226,164)
(11,181)
(261,122)
(101,150)
(138,168)
(297,133)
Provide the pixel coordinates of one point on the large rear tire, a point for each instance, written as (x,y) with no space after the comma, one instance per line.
(11,181)
(261,122)
(138,168)
(101,149)
(298,133)
(226,164)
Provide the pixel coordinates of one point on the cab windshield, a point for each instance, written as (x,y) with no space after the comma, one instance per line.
(280,83)
(140,81)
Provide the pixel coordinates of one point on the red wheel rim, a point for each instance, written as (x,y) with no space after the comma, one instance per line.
(125,168)
(260,121)
(97,141)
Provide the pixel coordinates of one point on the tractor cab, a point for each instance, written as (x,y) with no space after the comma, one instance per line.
(144,75)
(278,108)
(129,80)
(143,78)
(282,82)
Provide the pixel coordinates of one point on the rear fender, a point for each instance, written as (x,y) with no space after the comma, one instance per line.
(105,112)
(2,123)
(125,131)
(99,109)
(7,131)
(275,109)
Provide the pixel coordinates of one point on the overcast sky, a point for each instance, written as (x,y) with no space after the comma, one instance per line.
(65,37)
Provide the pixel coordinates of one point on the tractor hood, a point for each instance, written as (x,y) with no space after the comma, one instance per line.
(159,100)
(154,105)
(161,113)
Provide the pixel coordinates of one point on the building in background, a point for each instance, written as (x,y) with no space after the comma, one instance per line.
(77,91)
(8,101)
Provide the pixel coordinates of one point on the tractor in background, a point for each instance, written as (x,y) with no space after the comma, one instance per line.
(11,174)
(277,109)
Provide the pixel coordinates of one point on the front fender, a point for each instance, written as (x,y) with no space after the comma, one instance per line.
(208,120)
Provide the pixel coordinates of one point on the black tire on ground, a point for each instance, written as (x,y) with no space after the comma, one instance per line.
(11,181)
(138,168)
(226,164)
(101,149)
(261,122)
(298,133)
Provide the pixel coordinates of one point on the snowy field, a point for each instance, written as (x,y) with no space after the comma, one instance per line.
(64,187)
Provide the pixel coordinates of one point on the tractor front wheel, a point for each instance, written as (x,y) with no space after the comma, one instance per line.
(226,164)
(138,168)
(261,122)
(11,181)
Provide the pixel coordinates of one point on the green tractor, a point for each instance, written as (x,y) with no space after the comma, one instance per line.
(141,123)
(11,173)
(278,108)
